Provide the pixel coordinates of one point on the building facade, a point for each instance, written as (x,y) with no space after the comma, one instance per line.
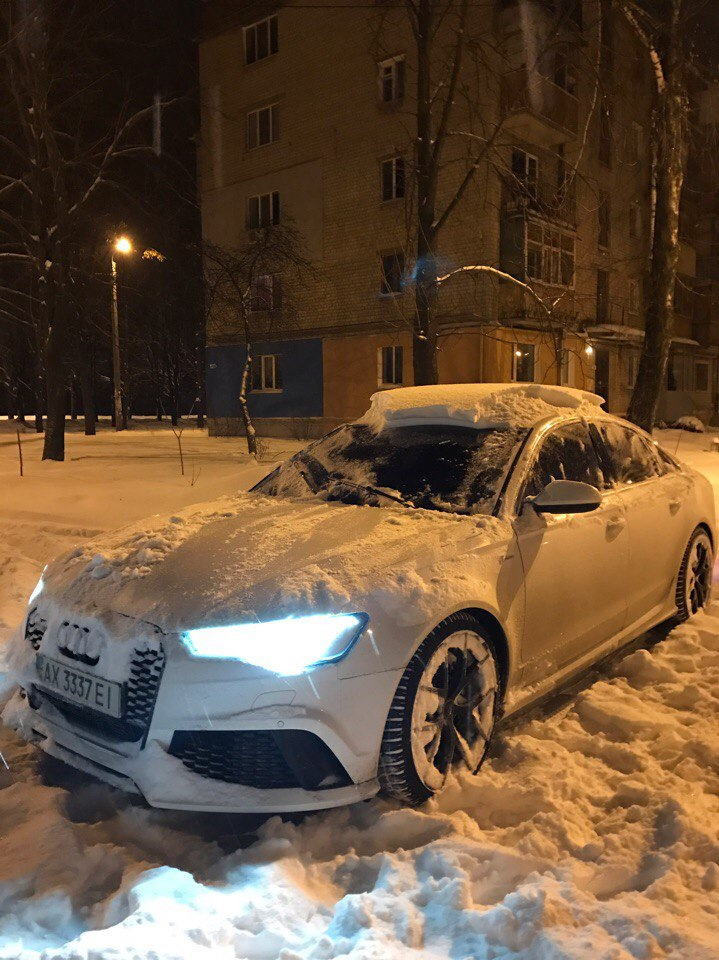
(308,114)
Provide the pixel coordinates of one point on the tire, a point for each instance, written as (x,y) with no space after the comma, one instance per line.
(694,582)
(443,712)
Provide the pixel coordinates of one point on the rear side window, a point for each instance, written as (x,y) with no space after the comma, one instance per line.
(631,458)
(567,453)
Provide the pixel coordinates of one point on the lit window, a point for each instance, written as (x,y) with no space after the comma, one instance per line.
(392,273)
(263,210)
(265,293)
(263,126)
(634,296)
(393,178)
(523,362)
(389,366)
(261,39)
(391,80)
(265,373)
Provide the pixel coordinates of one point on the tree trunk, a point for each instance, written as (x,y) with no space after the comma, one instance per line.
(249,427)
(39,399)
(424,341)
(671,148)
(87,388)
(54,443)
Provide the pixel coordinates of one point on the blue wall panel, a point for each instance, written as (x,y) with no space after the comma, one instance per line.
(301,367)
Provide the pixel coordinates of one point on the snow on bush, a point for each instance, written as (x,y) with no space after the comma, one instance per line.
(692,424)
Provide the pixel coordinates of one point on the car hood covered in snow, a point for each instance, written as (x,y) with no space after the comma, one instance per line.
(255,557)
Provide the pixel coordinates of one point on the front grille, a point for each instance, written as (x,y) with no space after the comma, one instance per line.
(35,628)
(140,694)
(266,759)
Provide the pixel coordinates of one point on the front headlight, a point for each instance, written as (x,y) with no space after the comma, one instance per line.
(286,647)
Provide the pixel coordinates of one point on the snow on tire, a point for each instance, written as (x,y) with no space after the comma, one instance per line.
(443,712)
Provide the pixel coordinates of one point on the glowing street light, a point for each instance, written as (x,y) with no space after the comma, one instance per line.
(589,350)
(124,246)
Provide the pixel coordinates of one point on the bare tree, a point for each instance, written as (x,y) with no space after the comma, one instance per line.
(62,140)
(660,28)
(248,295)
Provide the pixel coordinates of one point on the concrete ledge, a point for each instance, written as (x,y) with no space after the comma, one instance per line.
(296,428)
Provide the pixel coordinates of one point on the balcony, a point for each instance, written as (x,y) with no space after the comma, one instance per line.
(536,110)
(541,197)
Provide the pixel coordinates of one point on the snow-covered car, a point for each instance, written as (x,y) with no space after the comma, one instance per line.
(362,618)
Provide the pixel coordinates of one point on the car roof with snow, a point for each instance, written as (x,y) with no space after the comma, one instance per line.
(479,405)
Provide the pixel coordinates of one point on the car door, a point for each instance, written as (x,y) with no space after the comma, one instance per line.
(656,497)
(574,565)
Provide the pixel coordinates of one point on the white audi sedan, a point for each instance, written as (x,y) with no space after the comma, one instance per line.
(362,618)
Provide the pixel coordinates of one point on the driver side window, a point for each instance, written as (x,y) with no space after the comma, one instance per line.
(567,453)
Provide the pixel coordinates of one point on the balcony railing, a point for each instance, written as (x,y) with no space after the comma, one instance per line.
(527,94)
(542,197)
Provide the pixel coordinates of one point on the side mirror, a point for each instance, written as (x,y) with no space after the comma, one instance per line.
(567,496)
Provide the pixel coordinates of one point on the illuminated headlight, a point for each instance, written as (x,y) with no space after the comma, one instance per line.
(37,591)
(286,647)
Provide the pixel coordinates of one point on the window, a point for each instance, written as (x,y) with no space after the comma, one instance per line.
(393,178)
(261,40)
(523,362)
(634,296)
(525,169)
(392,273)
(263,210)
(263,126)
(701,376)
(389,363)
(567,453)
(677,372)
(391,80)
(265,293)
(605,135)
(567,367)
(629,457)
(683,298)
(605,216)
(602,296)
(265,374)
(550,255)
(564,75)
(635,220)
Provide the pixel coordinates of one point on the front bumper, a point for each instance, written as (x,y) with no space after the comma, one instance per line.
(200,702)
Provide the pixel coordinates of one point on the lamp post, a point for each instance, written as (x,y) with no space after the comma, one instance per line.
(121,245)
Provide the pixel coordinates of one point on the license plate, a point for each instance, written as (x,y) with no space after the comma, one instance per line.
(97,694)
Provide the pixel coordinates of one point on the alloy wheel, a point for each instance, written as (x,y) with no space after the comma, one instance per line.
(453,711)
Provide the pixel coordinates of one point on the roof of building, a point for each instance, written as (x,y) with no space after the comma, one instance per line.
(480,405)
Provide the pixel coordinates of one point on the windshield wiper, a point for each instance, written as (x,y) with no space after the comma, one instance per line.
(366,488)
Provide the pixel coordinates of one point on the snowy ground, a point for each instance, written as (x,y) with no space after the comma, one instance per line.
(592,832)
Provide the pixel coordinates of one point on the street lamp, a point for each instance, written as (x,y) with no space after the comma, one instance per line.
(124,246)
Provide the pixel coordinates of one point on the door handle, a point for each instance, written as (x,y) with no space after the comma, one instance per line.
(674,504)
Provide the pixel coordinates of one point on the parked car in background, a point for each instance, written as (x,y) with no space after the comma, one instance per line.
(362,618)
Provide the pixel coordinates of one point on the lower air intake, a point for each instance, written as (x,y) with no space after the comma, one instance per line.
(265,759)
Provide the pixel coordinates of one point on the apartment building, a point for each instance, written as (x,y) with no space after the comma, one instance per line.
(308,113)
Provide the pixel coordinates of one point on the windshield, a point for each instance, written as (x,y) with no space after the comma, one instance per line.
(437,467)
